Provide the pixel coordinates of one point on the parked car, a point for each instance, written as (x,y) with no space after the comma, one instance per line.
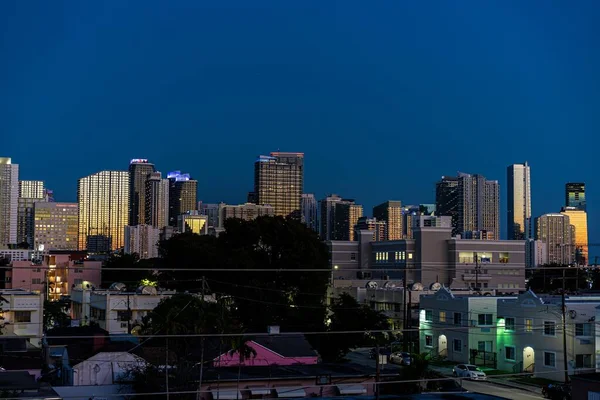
(400,357)
(557,391)
(469,371)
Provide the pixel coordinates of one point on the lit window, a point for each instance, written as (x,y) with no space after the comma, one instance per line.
(442,316)
(528,325)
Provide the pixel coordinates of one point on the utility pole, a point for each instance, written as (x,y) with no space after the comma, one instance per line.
(476,271)
(128,315)
(404,333)
(377,371)
(564,331)
(202,292)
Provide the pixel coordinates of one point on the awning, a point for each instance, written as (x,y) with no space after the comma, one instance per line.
(259,390)
(290,391)
(226,394)
(351,389)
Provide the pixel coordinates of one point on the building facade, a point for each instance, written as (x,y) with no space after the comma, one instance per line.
(279,182)
(55,225)
(9,201)
(103,200)
(309,211)
(30,192)
(23,314)
(372,224)
(247,212)
(556,232)
(575,195)
(478,205)
(142,240)
(446,201)
(519,202)
(339,218)
(578,219)
(139,169)
(183,193)
(536,253)
(193,222)
(391,213)
(157,200)
(211,210)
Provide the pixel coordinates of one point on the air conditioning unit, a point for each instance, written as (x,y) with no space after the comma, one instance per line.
(123,324)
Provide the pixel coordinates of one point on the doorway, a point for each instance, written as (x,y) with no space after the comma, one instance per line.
(443,346)
(528,359)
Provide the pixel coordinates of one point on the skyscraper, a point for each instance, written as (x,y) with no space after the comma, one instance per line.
(372,224)
(157,201)
(103,200)
(9,201)
(142,240)
(309,211)
(478,205)
(518,177)
(578,219)
(139,169)
(339,218)
(183,192)
(556,232)
(30,192)
(391,213)
(55,225)
(575,195)
(247,212)
(446,200)
(279,181)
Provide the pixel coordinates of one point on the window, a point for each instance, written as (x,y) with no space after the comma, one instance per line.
(509,324)
(36,281)
(457,318)
(353,256)
(528,325)
(509,353)
(97,313)
(122,315)
(583,361)
(485,319)
(549,359)
(410,256)
(442,316)
(429,315)
(22,316)
(549,328)
(428,341)
(484,346)
(457,345)
(583,329)
(503,259)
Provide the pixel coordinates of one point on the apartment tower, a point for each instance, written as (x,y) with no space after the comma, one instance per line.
(103,200)
(518,178)
(30,192)
(309,211)
(279,182)
(391,213)
(183,193)
(139,169)
(575,195)
(9,201)
(557,233)
(157,201)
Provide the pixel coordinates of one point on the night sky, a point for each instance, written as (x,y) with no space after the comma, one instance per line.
(383,97)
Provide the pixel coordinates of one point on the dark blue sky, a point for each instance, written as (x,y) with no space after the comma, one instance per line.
(383,97)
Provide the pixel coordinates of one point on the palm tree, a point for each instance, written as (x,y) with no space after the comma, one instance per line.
(240,346)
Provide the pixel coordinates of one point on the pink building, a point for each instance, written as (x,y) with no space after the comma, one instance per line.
(56,273)
(273,350)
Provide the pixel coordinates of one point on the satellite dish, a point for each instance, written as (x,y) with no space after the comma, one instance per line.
(573,314)
(435,286)
(147,290)
(417,286)
(372,285)
(389,285)
(118,286)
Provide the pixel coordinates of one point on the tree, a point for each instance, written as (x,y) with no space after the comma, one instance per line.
(128,269)
(2,301)
(56,314)
(549,277)
(349,315)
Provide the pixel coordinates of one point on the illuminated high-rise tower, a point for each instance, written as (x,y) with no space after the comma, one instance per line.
(157,201)
(183,193)
(9,200)
(578,219)
(139,169)
(279,182)
(30,192)
(518,177)
(309,211)
(103,200)
(575,195)
(391,213)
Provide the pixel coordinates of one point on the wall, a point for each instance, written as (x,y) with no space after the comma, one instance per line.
(23,302)
(105,368)
(346,256)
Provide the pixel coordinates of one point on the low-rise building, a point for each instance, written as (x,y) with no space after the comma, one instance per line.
(247,212)
(459,328)
(193,222)
(23,313)
(116,311)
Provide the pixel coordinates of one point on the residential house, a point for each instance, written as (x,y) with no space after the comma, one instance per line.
(106,368)
(23,314)
(459,328)
(272,350)
(531,338)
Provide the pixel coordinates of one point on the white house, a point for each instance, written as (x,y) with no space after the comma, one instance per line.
(23,314)
(106,368)
(530,334)
(110,308)
(459,328)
